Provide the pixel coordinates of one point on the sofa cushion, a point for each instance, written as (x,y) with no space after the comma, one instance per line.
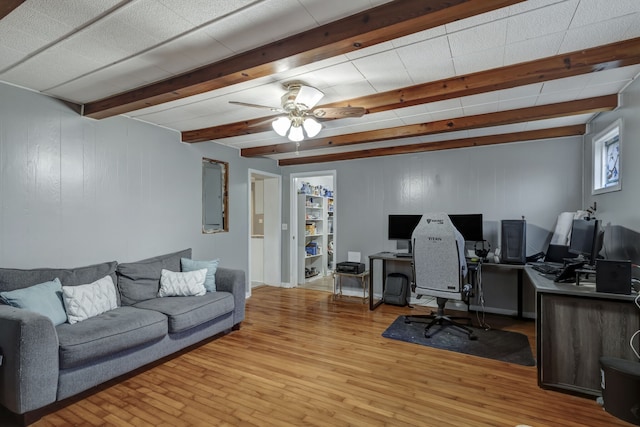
(13,278)
(211,266)
(179,284)
(84,301)
(43,298)
(140,280)
(186,312)
(121,329)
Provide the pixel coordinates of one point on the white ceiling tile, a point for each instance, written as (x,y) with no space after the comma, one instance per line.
(385,71)
(199,12)
(634,29)
(555,97)
(530,5)
(15,38)
(520,91)
(617,74)
(485,60)
(153,19)
(448,114)
(498,130)
(263,22)
(370,50)
(416,119)
(427,61)
(58,63)
(592,11)
(560,121)
(480,38)
(474,110)
(536,48)
(420,36)
(328,10)
(31,21)
(602,89)
(478,20)
(541,22)
(480,99)
(8,57)
(565,84)
(516,103)
(86,89)
(198,46)
(596,34)
(73,13)
(352,90)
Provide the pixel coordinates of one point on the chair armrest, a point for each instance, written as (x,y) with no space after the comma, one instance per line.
(29,370)
(234,281)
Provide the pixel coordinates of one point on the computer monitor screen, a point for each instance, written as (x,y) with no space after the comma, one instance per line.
(469,225)
(585,239)
(401,226)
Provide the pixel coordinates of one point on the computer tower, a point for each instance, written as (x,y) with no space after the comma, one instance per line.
(513,248)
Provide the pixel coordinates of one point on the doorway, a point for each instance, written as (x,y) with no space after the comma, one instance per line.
(265,196)
(313,236)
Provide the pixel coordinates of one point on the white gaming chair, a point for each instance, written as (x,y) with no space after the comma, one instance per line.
(439,268)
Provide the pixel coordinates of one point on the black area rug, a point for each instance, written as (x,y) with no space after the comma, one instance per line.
(506,346)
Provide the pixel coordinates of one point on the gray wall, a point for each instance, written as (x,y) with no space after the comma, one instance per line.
(537,180)
(75,191)
(618,210)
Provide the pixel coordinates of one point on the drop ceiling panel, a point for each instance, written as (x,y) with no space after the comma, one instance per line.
(528,50)
(541,22)
(479,38)
(427,61)
(597,34)
(325,11)
(384,71)
(593,11)
(200,12)
(485,60)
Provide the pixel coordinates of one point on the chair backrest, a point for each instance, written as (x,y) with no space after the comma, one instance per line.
(436,258)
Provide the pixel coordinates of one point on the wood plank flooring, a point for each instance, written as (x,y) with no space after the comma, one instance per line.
(302,359)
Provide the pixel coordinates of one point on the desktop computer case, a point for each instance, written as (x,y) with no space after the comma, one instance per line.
(513,248)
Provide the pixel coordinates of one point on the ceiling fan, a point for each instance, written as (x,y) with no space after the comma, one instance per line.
(300,116)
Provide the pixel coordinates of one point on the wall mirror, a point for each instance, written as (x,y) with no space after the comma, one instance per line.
(215,190)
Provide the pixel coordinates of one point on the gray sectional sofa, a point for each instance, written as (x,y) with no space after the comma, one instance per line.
(42,363)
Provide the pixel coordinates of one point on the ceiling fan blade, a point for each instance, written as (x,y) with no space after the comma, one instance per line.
(246,104)
(339,112)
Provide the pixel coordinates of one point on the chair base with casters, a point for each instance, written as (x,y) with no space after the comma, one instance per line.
(439,318)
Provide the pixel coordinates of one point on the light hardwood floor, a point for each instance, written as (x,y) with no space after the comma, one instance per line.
(302,359)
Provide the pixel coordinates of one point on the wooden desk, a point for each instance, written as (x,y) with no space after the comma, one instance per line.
(575,326)
(337,283)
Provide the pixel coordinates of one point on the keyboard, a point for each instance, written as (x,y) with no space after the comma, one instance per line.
(546,268)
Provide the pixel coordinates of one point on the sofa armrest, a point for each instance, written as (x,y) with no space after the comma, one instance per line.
(29,370)
(234,281)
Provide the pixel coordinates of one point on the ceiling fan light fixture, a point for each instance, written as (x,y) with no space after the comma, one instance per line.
(281,125)
(311,126)
(308,96)
(296,134)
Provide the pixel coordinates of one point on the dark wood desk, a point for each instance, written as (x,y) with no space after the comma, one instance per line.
(575,326)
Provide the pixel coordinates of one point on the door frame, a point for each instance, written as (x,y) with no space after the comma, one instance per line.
(293,218)
(277,222)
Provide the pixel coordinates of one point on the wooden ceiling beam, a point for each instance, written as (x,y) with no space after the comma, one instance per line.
(379,24)
(600,58)
(541,112)
(480,141)
(7,6)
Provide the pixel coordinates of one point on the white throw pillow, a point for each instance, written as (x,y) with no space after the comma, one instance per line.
(175,284)
(84,301)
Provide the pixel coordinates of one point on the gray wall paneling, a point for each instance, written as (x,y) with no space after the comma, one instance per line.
(618,210)
(537,179)
(75,191)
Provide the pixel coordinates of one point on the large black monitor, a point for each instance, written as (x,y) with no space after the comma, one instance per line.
(401,226)
(469,225)
(586,239)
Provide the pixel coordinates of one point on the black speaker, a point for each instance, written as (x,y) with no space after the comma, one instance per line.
(513,248)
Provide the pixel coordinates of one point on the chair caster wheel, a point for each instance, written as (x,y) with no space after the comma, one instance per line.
(473,338)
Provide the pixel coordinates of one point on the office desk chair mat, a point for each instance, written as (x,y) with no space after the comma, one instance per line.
(511,347)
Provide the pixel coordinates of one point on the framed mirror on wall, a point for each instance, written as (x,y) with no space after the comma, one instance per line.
(606,159)
(215,190)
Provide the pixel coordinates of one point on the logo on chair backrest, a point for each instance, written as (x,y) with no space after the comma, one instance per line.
(435,239)
(437,221)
